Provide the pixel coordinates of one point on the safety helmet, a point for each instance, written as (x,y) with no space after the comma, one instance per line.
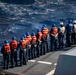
(61,23)
(38,30)
(74,21)
(5,42)
(32,34)
(22,38)
(24,35)
(13,38)
(53,25)
(27,33)
(44,25)
(70,21)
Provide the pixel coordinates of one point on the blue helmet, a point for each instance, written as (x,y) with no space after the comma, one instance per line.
(27,33)
(32,34)
(5,42)
(38,30)
(13,38)
(70,21)
(53,25)
(44,25)
(22,38)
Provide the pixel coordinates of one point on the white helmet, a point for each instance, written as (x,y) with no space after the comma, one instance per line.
(61,23)
(74,21)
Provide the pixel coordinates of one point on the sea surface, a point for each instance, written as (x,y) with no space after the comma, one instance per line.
(17,19)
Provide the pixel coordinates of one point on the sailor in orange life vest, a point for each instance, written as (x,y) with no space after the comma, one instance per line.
(53,37)
(28,36)
(5,50)
(22,53)
(33,46)
(39,41)
(45,33)
(14,48)
(26,39)
(44,46)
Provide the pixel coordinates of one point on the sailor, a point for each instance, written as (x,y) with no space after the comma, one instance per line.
(53,37)
(22,53)
(26,39)
(28,36)
(69,32)
(5,50)
(44,39)
(14,48)
(39,42)
(61,31)
(33,46)
(74,32)
(45,33)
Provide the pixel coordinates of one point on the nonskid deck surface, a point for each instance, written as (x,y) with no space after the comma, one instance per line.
(44,65)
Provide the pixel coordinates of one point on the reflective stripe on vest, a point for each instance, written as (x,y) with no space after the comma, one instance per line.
(6,48)
(14,44)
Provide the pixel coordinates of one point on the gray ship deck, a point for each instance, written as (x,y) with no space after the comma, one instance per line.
(44,65)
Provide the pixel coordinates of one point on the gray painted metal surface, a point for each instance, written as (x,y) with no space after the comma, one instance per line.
(35,68)
(66,63)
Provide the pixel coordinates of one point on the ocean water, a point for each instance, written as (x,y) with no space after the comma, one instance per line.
(16,20)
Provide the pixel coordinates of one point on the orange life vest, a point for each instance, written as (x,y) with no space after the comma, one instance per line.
(54,31)
(45,32)
(23,43)
(34,39)
(26,40)
(39,36)
(13,44)
(29,39)
(6,48)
